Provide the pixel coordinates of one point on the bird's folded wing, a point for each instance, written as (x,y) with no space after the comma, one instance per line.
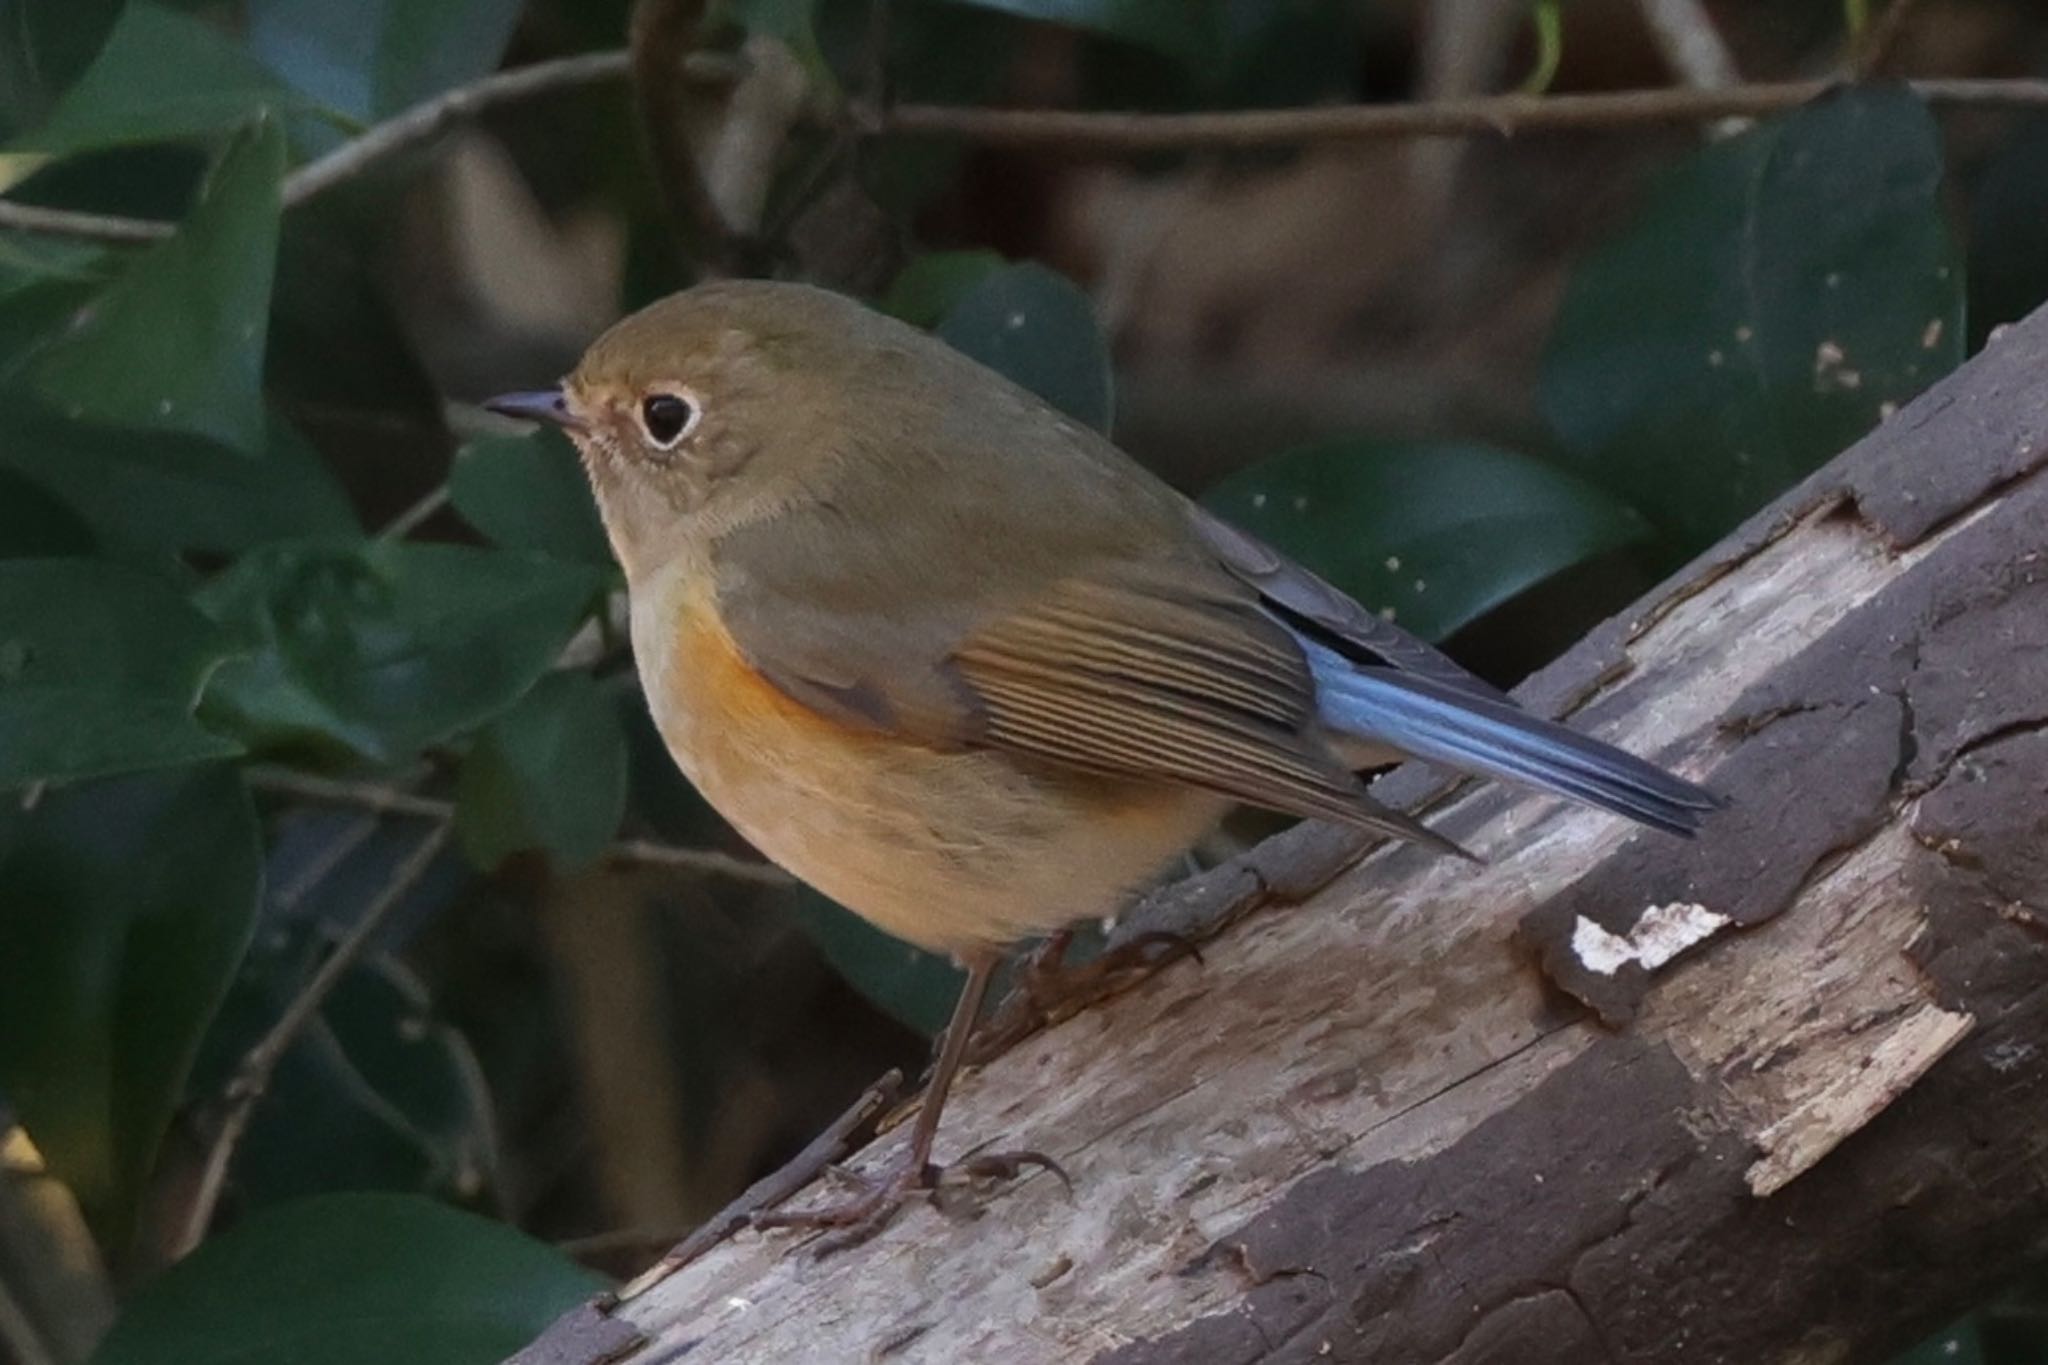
(1321,610)
(1124,671)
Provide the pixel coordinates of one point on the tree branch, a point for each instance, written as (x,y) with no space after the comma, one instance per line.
(401,132)
(1502,115)
(1083,130)
(385,800)
(1606,1097)
(252,1076)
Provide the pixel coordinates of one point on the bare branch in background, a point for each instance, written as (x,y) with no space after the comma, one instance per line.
(401,132)
(1502,115)
(252,1076)
(371,796)
(429,119)
(1085,131)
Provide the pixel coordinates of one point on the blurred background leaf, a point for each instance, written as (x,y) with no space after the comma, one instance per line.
(932,286)
(376,651)
(1434,535)
(369,59)
(100,671)
(125,906)
(529,493)
(347,1278)
(1774,298)
(2008,222)
(162,75)
(176,341)
(910,985)
(35,525)
(49,43)
(548,776)
(151,492)
(1035,328)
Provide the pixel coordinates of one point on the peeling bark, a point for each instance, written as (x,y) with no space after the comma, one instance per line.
(1777,1095)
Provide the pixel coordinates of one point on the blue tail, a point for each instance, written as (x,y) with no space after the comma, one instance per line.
(1468,732)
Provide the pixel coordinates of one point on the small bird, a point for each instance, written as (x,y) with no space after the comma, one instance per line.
(962,665)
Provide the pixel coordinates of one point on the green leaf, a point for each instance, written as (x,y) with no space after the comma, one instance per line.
(143,492)
(1960,1343)
(2008,210)
(914,987)
(1192,32)
(1773,299)
(176,342)
(550,774)
(376,1093)
(1436,533)
(376,651)
(48,43)
(529,493)
(349,1278)
(100,669)
(930,287)
(340,363)
(162,76)
(28,258)
(35,525)
(124,908)
(1036,328)
(372,58)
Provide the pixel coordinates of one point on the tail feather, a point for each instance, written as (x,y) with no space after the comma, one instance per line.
(1476,734)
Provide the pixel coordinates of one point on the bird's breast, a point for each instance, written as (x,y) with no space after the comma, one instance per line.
(951,850)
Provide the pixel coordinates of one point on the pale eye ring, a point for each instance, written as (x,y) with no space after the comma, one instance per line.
(667,418)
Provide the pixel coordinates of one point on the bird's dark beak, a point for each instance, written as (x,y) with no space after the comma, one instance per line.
(537,405)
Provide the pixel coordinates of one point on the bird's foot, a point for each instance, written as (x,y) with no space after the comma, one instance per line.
(880,1195)
(1049,990)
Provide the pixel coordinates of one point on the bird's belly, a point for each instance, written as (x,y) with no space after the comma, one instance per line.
(954,851)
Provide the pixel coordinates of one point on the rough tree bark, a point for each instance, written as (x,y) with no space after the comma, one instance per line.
(1777,1095)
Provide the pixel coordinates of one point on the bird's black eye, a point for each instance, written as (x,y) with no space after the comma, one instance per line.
(666,416)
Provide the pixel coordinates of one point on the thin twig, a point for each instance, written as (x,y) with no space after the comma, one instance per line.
(847,1133)
(385,800)
(252,1077)
(1504,115)
(408,521)
(370,796)
(90,227)
(401,132)
(430,118)
(703,860)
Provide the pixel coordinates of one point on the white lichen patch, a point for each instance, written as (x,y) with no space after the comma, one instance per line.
(1660,934)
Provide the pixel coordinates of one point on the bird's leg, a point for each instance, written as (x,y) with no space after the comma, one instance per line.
(867,1212)
(1048,989)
